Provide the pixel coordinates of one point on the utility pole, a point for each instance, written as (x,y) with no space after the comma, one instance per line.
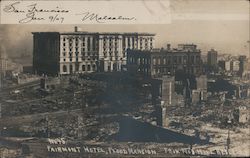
(48,126)
(228,141)
(0,78)
(0,110)
(248,48)
(79,126)
(228,135)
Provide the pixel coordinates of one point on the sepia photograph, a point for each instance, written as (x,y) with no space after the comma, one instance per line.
(124,78)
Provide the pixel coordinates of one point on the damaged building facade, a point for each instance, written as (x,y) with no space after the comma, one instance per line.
(164,95)
(159,62)
(59,53)
(200,93)
(244,114)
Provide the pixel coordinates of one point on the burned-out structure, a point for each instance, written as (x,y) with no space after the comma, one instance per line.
(183,62)
(163,93)
(243,113)
(159,62)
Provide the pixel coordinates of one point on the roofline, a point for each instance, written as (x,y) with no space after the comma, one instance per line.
(45,32)
(100,33)
(158,51)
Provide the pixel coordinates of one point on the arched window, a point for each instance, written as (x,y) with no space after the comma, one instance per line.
(64,68)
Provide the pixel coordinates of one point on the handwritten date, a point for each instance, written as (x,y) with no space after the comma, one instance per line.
(56,18)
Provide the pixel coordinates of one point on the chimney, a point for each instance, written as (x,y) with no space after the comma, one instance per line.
(168,46)
(76,29)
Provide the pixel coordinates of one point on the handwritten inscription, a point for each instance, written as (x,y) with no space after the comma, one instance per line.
(12,8)
(34,13)
(32,10)
(101,19)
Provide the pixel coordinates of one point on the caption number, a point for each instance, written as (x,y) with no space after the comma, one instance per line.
(56,18)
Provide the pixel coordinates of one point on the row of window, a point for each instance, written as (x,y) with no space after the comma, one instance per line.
(77,50)
(176,60)
(144,70)
(77,68)
(82,53)
(82,48)
(110,38)
(164,70)
(110,45)
(139,60)
(135,39)
(83,44)
(110,49)
(168,71)
(83,59)
(70,39)
(165,60)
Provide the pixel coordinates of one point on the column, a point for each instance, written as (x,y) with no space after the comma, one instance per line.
(86,43)
(120,46)
(100,47)
(153,42)
(105,66)
(126,43)
(67,72)
(143,43)
(139,44)
(91,43)
(131,43)
(113,48)
(107,44)
(111,65)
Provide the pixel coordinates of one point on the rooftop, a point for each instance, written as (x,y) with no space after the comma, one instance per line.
(172,50)
(99,33)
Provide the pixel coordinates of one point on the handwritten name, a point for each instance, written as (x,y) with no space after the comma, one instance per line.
(102,19)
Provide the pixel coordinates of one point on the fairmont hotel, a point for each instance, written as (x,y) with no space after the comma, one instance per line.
(58,53)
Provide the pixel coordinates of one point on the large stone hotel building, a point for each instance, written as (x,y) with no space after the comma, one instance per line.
(58,53)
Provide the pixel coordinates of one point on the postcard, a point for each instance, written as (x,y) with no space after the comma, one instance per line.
(124,78)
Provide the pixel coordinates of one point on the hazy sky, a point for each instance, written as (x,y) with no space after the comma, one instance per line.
(219,24)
